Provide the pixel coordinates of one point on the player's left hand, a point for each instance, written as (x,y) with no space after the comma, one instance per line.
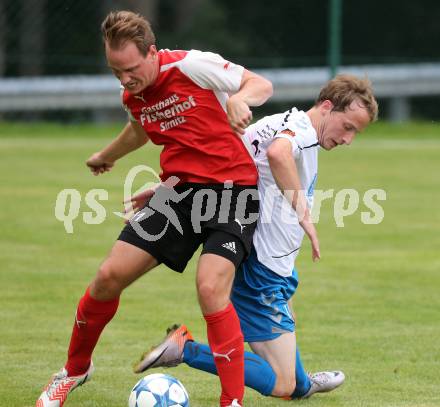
(316,254)
(239,114)
(312,234)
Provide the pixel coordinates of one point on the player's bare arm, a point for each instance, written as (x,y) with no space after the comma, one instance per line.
(284,171)
(131,138)
(254,91)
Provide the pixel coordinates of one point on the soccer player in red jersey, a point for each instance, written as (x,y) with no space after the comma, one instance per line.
(196,105)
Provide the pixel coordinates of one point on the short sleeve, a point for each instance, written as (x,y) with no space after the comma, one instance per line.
(299,131)
(211,71)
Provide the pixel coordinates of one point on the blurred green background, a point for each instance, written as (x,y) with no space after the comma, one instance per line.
(51,37)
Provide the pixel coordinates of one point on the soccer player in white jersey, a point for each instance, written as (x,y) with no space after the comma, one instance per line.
(285,149)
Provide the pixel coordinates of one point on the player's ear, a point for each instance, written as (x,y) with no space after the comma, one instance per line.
(152,51)
(326,106)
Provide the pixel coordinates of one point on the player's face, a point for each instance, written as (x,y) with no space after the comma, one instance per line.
(337,128)
(134,70)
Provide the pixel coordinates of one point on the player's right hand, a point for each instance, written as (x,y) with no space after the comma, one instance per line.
(98,165)
(239,114)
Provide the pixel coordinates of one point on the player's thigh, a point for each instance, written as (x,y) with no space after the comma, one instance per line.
(222,253)
(171,243)
(260,298)
(124,264)
(215,275)
(280,353)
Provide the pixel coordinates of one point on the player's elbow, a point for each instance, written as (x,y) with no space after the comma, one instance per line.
(268,87)
(259,89)
(265,89)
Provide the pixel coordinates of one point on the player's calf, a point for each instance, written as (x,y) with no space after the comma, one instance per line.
(284,387)
(226,342)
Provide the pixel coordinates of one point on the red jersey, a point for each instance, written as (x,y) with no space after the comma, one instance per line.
(185,111)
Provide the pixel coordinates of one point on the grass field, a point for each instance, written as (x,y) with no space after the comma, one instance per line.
(370,307)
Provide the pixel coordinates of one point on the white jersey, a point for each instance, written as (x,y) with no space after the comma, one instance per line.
(278,235)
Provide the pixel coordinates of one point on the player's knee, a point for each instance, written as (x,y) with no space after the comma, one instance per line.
(207,290)
(211,297)
(284,388)
(107,281)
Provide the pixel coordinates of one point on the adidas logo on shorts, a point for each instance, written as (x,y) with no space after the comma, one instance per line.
(230,246)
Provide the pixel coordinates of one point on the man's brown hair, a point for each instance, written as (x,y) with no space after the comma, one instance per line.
(119,27)
(342,90)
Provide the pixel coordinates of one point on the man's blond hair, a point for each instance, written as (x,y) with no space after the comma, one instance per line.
(342,90)
(119,27)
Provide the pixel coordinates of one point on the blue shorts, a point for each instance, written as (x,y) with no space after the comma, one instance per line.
(260,298)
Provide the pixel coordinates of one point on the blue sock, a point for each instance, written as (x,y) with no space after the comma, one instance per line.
(303,383)
(258,374)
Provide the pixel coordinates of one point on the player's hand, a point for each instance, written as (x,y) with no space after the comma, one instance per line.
(312,234)
(316,254)
(239,114)
(138,201)
(98,165)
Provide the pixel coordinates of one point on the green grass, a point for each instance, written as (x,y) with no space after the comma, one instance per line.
(370,307)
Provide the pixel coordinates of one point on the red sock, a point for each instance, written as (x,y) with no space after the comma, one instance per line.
(91,318)
(226,343)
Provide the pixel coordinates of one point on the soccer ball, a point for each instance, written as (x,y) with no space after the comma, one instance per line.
(158,390)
